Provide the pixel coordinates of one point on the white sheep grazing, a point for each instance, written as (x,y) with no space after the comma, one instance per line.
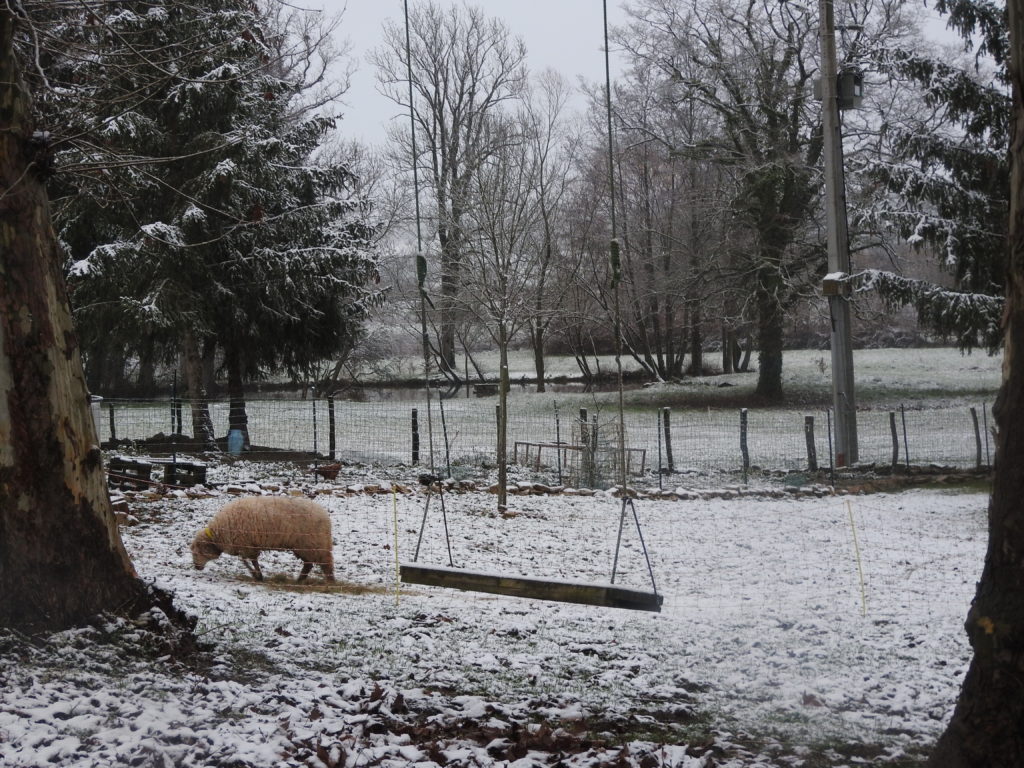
(246,527)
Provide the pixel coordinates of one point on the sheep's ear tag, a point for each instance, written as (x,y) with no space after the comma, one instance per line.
(209,533)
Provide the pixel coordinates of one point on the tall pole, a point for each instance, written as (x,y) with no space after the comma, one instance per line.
(614,263)
(844,403)
(421,259)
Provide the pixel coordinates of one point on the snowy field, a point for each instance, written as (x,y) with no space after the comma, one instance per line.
(889,373)
(813,631)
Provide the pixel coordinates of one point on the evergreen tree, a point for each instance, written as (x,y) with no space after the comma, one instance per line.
(946,179)
(229,233)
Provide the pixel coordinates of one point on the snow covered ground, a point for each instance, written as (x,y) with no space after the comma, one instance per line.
(811,631)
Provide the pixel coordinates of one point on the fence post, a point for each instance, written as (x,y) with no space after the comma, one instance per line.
(110,415)
(977,437)
(175,408)
(330,426)
(586,456)
(906,448)
(831,455)
(984,422)
(666,424)
(415,436)
(558,443)
(812,452)
(315,447)
(743,443)
(895,440)
(658,432)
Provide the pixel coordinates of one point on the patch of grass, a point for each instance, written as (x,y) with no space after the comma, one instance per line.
(828,753)
(663,726)
(284,583)
(247,664)
(965,485)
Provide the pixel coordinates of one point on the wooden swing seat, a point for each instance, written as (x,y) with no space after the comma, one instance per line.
(607,595)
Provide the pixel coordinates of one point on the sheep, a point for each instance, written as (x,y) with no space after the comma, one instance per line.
(246,527)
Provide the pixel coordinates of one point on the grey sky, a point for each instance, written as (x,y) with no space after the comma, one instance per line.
(565,35)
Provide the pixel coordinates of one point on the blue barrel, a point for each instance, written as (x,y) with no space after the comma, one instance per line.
(235,442)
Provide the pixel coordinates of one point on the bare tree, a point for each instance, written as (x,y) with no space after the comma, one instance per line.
(750,66)
(502,257)
(465,67)
(306,50)
(554,145)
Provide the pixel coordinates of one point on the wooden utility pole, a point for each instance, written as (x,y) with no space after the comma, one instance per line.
(835,286)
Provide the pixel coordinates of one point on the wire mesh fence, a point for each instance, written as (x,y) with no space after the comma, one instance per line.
(578,447)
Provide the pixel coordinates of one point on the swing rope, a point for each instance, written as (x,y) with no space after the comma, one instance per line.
(615,266)
(524,586)
(421,278)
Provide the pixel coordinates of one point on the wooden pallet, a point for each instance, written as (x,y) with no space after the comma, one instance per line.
(129,472)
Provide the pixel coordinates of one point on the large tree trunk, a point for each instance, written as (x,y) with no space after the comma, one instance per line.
(119,383)
(61,557)
(537,339)
(696,339)
(202,423)
(97,369)
(237,416)
(146,385)
(987,728)
(209,362)
(451,267)
(769,334)
(728,344)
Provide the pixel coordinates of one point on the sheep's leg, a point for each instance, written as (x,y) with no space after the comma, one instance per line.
(254,568)
(307,566)
(327,567)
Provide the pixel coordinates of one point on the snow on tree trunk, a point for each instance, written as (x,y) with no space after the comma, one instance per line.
(61,556)
(987,728)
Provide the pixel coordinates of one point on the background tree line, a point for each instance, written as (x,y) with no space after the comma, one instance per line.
(718,171)
(215,224)
(204,224)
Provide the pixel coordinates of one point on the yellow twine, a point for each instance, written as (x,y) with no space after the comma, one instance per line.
(860,569)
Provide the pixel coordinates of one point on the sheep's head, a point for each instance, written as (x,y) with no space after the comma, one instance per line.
(204,549)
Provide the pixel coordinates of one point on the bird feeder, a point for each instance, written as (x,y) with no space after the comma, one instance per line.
(850,88)
(835,284)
